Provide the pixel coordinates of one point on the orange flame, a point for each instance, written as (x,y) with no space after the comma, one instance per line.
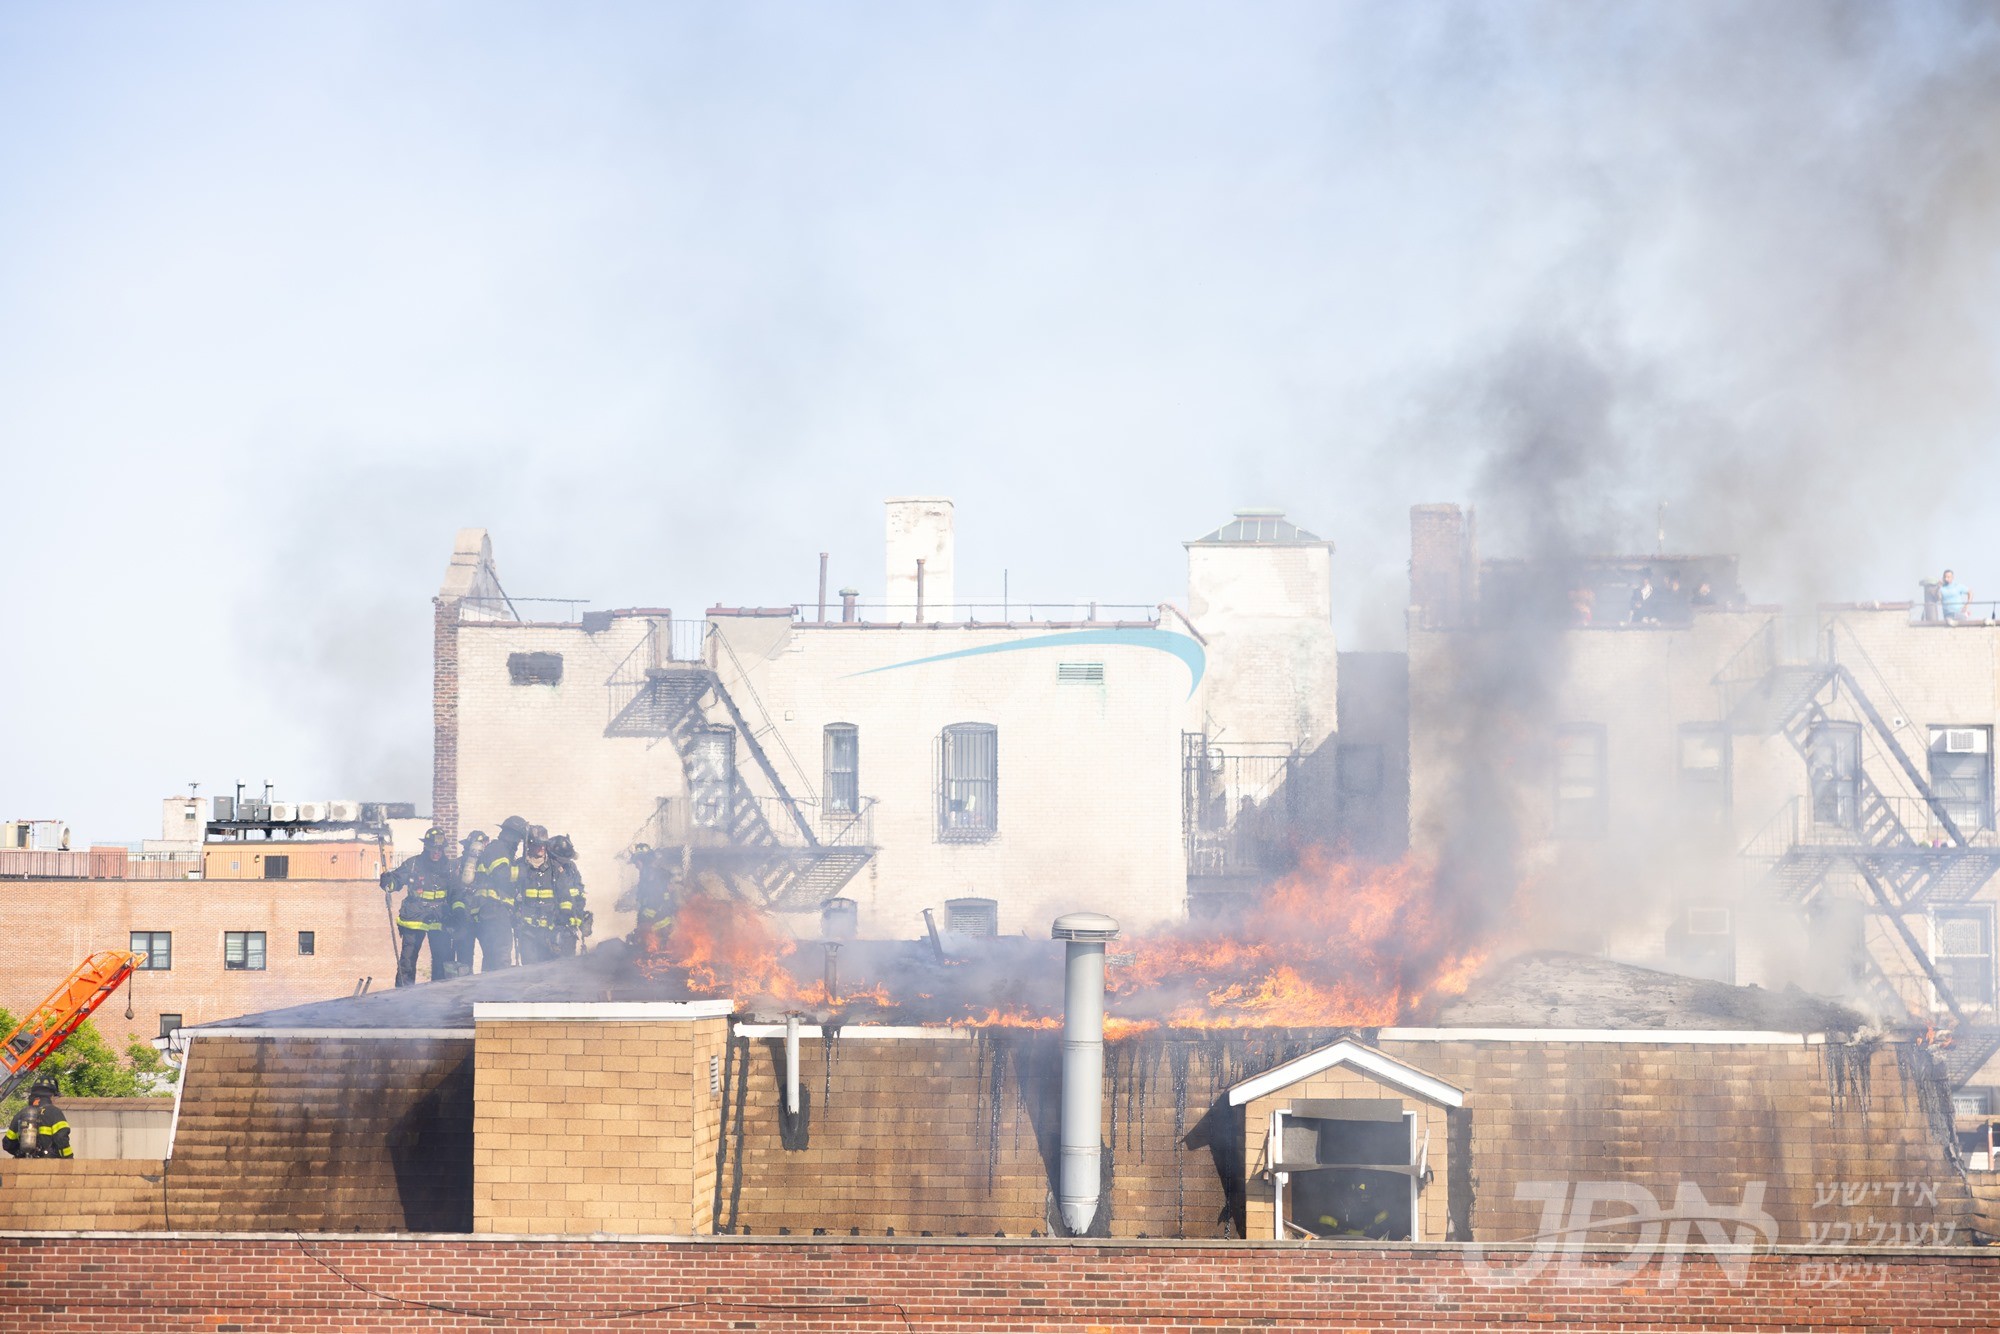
(1333,944)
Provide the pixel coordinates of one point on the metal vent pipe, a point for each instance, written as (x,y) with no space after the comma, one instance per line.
(1083,1065)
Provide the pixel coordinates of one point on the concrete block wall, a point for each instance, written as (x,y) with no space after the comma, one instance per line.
(585,1117)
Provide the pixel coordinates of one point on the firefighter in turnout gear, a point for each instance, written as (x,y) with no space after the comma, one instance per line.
(39,1130)
(549,911)
(494,889)
(461,916)
(655,897)
(427,881)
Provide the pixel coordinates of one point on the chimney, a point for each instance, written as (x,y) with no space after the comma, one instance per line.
(1083,1065)
(847,597)
(920,558)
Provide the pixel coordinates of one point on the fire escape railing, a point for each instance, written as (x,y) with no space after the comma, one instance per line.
(1910,851)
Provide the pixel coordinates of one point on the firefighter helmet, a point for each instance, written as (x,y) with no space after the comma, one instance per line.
(44,1087)
(435,835)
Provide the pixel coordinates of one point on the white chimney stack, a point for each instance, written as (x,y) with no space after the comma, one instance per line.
(920,559)
(1079,1174)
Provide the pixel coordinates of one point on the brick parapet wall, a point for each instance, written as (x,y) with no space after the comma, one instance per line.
(57,1283)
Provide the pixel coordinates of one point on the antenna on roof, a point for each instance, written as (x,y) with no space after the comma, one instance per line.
(1660,547)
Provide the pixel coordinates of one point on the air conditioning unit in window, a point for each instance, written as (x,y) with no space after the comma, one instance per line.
(1708,921)
(1965,740)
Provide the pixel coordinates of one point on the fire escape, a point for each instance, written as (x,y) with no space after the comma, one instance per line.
(771,848)
(1904,846)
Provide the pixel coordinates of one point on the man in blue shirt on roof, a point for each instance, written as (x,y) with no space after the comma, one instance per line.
(1952,598)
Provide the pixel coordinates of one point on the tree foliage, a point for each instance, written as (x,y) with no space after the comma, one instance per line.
(85,1066)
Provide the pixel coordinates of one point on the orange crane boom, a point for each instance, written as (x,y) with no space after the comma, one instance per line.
(36,1037)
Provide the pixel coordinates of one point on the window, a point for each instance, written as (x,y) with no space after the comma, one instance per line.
(843,769)
(972,917)
(711,772)
(1962,775)
(305,942)
(277,866)
(1704,772)
(243,950)
(1348,1162)
(169,1025)
(1962,940)
(535,669)
(1833,760)
(1580,809)
(969,790)
(157,946)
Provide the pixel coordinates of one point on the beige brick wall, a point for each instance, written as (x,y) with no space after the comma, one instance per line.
(540,752)
(583,1125)
(1089,772)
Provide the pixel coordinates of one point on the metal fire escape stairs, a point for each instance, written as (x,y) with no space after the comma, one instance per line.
(1906,876)
(766,850)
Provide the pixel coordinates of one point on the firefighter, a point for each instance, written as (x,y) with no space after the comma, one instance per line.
(656,896)
(495,889)
(40,1130)
(426,881)
(461,924)
(549,912)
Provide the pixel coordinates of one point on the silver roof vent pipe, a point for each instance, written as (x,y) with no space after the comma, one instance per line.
(1083,1064)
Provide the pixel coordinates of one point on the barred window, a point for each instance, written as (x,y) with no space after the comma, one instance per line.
(969,786)
(843,769)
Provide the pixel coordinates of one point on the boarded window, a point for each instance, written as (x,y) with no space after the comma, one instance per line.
(969,788)
(843,769)
(1704,772)
(1580,806)
(535,669)
(972,917)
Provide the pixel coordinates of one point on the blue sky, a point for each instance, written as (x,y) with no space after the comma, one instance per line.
(670,296)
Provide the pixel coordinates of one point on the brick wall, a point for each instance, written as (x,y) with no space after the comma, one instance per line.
(83,1194)
(85,1285)
(585,1126)
(38,947)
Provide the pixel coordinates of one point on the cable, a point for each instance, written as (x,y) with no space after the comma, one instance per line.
(571,1313)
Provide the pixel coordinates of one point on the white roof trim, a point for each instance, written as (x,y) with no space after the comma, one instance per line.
(861,1032)
(487,1012)
(1386,1069)
(384,1033)
(1655,1036)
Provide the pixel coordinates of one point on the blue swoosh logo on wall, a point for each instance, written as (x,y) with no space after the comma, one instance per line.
(1163,641)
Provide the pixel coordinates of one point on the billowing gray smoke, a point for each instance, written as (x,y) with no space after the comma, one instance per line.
(1774,320)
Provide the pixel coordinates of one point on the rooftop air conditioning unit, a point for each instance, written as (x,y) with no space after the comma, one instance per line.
(282,812)
(1708,921)
(347,812)
(1965,740)
(312,810)
(249,809)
